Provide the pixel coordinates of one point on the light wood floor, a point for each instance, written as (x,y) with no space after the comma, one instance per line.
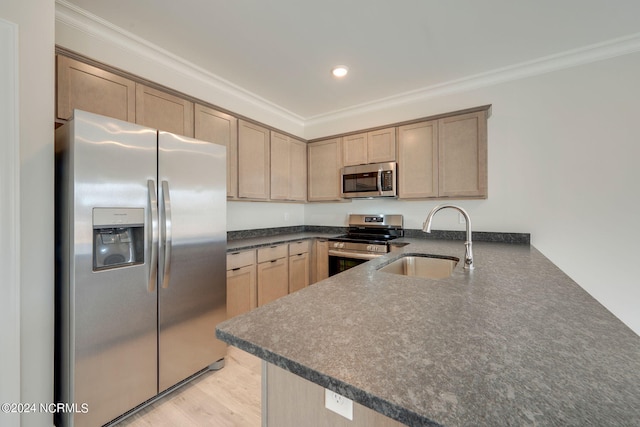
(229,397)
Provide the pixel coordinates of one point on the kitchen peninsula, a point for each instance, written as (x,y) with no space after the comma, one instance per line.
(514,342)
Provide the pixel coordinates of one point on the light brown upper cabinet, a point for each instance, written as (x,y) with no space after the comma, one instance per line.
(92,89)
(253,161)
(462,156)
(298,170)
(288,168)
(163,111)
(418,160)
(444,158)
(214,126)
(325,161)
(370,147)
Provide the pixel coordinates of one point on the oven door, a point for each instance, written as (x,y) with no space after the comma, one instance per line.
(340,260)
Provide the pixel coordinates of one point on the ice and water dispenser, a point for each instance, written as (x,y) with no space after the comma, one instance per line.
(118,237)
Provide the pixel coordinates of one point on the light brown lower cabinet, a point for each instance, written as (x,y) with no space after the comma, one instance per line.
(256,277)
(242,292)
(321,260)
(273,273)
(298,265)
(291,401)
(273,280)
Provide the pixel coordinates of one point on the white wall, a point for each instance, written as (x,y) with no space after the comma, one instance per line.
(253,215)
(35,20)
(10,220)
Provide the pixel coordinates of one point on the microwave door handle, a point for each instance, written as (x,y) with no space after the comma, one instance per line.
(379,181)
(152,239)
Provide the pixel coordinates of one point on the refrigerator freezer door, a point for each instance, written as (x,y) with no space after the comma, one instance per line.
(108,323)
(192,298)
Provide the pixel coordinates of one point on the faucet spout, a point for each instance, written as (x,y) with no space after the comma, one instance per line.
(468,255)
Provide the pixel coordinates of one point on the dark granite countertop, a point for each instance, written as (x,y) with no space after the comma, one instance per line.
(515,342)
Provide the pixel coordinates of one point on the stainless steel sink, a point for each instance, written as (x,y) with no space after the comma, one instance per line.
(427,266)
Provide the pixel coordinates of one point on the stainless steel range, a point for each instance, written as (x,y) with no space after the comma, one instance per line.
(368,237)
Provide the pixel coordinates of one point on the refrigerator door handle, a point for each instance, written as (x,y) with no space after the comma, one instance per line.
(152,242)
(166,234)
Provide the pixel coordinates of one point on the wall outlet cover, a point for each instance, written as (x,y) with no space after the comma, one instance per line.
(338,404)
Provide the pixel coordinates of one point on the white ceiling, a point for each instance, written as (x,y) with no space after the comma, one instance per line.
(283,50)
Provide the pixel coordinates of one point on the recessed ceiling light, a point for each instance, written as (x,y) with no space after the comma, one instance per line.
(340,71)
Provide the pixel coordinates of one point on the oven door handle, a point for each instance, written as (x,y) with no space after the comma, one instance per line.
(353,255)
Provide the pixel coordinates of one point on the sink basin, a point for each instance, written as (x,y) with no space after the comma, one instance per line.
(427,266)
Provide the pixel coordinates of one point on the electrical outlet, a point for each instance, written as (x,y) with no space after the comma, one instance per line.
(338,404)
(286,216)
(461,218)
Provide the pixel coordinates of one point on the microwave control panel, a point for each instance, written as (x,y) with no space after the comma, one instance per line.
(387,180)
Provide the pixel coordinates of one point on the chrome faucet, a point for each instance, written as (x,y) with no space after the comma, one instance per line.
(468,253)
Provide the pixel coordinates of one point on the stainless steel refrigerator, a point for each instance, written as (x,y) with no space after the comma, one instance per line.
(141,280)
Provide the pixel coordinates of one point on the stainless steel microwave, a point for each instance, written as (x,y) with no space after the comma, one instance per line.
(372,180)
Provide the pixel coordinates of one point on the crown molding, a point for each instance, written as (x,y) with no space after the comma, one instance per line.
(100,29)
(571,58)
(96,27)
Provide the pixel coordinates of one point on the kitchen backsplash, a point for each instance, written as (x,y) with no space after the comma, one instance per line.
(478,236)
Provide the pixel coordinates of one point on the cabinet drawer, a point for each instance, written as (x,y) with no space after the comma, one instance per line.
(240,259)
(301,247)
(272,252)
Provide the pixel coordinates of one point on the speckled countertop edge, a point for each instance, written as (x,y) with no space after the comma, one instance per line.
(532,335)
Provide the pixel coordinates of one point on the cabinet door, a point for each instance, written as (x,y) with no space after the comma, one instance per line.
(321,260)
(242,293)
(298,271)
(381,146)
(280,164)
(418,160)
(354,149)
(292,401)
(253,161)
(273,280)
(324,170)
(297,170)
(88,88)
(220,128)
(163,111)
(463,155)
